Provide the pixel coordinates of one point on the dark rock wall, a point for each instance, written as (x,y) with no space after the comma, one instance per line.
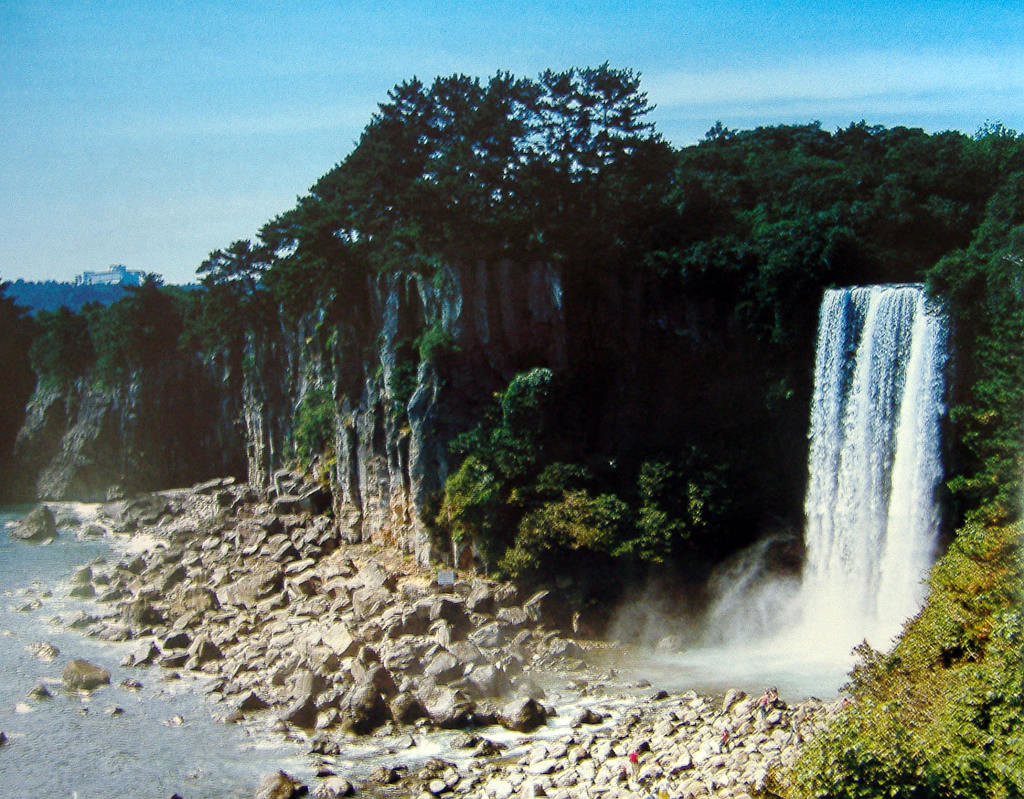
(391,451)
(167,425)
(650,373)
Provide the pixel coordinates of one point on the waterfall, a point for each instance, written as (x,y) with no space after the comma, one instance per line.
(874,463)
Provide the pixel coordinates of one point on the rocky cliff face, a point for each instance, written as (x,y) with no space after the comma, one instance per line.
(395,411)
(166,425)
(403,363)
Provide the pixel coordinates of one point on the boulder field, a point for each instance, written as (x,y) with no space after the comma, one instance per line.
(324,640)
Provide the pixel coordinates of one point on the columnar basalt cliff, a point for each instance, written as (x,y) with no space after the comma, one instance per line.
(400,366)
(394,409)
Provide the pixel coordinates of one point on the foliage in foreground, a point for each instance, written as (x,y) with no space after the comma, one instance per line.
(942,715)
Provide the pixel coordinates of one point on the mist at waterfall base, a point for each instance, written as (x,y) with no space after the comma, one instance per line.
(871,517)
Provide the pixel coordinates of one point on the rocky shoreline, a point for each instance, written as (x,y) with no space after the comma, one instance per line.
(332,643)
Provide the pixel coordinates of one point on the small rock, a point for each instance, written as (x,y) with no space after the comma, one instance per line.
(588,716)
(82,675)
(40,692)
(251,701)
(279,785)
(334,787)
(732,696)
(86,591)
(387,775)
(43,651)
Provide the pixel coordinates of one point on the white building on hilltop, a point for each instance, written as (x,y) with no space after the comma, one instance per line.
(117,275)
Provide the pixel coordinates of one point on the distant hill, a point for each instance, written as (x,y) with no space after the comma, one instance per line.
(51,294)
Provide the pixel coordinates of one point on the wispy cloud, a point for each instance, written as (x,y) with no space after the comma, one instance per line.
(880,80)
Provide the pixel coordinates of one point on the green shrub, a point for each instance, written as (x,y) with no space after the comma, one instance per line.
(576,521)
(313,427)
(942,715)
(401,385)
(436,345)
(524,508)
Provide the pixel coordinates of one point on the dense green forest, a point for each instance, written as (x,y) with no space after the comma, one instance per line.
(724,247)
(742,232)
(675,432)
(50,295)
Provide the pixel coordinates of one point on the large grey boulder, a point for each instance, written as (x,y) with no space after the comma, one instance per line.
(142,613)
(374,674)
(279,785)
(369,602)
(450,709)
(195,599)
(490,636)
(249,590)
(86,591)
(39,525)
(311,499)
(488,681)
(203,650)
(144,653)
(373,575)
(81,675)
(363,709)
(302,711)
(251,702)
(482,599)
(339,639)
(522,715)
(444,668)
(406,708)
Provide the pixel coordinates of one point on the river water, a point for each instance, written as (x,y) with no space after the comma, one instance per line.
(70,745)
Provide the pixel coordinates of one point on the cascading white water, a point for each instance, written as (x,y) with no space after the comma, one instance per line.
(871,512)
(874,465)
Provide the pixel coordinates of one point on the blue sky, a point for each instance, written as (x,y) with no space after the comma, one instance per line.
(152,133)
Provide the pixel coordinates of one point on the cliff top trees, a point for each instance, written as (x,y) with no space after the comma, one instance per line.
(717,254)
(16,332)
(235,298)
(464,170)
(137,331)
